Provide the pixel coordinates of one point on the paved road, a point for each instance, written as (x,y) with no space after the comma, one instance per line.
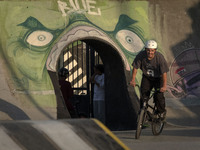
(172,138)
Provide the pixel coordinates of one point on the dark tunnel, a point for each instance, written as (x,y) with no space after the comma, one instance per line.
(120,98)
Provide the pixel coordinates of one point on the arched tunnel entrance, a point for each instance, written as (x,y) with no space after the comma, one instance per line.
(120,98)
(121,103)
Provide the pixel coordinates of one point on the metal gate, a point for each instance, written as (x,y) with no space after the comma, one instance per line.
(80,58)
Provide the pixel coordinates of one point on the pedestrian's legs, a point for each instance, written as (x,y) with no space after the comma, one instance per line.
(102,111)
(99,110)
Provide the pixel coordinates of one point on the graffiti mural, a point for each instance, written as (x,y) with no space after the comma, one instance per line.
(34,33)
(185,74)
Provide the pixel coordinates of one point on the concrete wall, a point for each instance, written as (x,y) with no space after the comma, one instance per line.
(34,33)
(176,26)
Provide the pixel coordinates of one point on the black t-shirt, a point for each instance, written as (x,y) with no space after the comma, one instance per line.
(151,68)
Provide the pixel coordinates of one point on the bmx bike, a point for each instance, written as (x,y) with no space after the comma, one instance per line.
(148,114)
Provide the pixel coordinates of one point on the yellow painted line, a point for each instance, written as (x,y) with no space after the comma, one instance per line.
(111,134)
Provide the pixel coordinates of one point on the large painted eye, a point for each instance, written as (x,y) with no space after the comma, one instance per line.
(39,38)
(130,41)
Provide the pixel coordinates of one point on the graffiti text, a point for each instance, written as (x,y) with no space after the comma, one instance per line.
(75,5)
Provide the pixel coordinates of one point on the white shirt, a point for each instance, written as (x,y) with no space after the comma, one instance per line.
(99,93)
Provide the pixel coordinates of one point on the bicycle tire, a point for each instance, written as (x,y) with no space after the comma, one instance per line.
(140,122)
(157,125)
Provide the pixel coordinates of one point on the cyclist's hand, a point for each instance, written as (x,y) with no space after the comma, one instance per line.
(132,83)
(163,89)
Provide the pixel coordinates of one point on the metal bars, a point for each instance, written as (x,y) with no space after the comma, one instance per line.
(79,58)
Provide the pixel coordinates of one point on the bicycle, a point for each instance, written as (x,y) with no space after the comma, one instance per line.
(148,113)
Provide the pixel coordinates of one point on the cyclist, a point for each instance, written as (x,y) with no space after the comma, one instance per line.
(154,68)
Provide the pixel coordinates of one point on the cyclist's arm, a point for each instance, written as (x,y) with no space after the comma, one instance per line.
(164,78)
(133,77)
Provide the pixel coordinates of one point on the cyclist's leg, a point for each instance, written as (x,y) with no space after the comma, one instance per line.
(146,87)
(160,102)
(159,98)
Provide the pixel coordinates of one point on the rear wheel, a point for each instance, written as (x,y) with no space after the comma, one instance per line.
(140,122)
(157,125)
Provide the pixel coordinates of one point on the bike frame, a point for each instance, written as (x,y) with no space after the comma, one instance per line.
(155,119)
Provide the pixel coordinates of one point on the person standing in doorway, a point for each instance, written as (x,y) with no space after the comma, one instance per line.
(99,93)
(67,91)
(154,68)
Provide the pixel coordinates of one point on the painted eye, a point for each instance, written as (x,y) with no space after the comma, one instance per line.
(39,38)
(130,41)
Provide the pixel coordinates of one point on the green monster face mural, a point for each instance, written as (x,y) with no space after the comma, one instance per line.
(29,50)
(34,34)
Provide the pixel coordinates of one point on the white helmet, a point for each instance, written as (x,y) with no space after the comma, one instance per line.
(151,44)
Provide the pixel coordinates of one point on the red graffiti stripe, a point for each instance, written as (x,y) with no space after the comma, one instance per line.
(179,70)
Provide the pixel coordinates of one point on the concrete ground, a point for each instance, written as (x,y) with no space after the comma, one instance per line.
(182,131)
(172,138)
(183,112)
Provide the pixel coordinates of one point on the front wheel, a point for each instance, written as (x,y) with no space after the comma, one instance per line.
(157,125)
(140,122)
